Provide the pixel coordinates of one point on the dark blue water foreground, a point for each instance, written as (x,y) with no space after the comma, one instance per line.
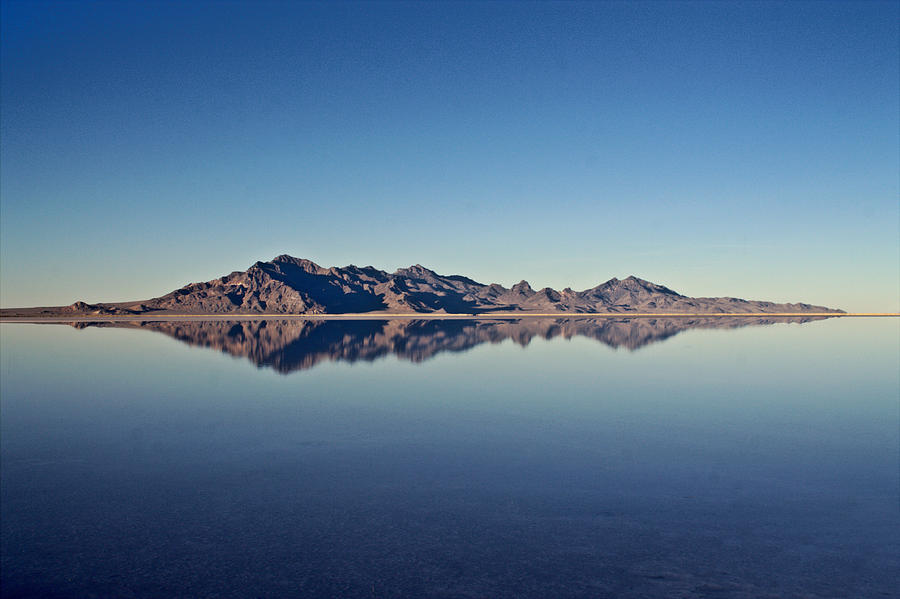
(465,460)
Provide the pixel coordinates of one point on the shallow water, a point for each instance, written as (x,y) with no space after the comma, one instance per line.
(459,459)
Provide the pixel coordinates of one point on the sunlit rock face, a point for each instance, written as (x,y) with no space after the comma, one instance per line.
(288,285)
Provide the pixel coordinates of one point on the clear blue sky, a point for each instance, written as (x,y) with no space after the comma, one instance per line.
(746,149)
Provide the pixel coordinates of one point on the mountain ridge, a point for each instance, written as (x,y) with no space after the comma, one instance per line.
(290,285)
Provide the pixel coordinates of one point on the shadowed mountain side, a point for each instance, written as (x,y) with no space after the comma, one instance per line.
(290,345)
(289,285)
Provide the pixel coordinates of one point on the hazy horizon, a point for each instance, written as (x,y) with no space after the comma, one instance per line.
(719,149)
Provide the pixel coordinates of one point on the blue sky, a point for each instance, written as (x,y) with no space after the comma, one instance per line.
(745,149)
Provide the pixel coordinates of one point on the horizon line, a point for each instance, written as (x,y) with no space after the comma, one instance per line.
(433,316)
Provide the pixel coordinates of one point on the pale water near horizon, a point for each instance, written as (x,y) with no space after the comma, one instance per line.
(451,459)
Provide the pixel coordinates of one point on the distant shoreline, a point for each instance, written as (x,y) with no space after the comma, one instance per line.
(432,316)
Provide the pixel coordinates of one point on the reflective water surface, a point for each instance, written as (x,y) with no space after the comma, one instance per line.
(540,458)
(295,344)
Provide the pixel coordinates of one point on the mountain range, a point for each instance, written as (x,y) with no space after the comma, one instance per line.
(288,285)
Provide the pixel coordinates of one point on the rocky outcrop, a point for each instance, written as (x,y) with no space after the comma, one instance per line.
(289,285)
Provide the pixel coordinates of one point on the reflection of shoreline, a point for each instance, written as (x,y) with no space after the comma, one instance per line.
(165,316)
(297,344)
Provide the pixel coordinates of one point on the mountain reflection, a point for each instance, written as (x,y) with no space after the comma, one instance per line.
(298,344)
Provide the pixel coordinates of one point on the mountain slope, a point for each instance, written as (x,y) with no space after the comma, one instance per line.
(289,285)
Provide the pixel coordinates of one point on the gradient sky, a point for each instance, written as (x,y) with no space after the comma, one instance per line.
(745,149)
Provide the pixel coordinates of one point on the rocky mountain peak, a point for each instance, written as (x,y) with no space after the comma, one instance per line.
(301,263)
(290,285)
(522,287)
(416,270)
